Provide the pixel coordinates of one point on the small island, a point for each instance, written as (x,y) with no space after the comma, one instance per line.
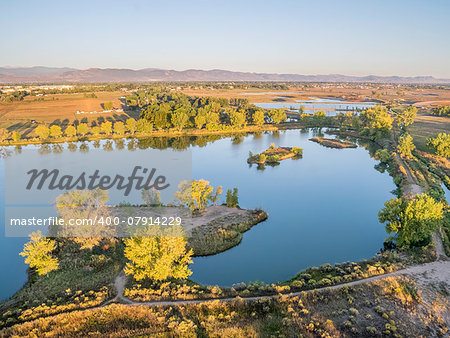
(275,154)
(333,143)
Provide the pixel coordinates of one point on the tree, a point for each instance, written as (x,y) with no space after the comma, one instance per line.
(199,121)
(42,131)
(16,136)
(237,119)
(95,130)
(55,131)
(179,120)
(406,145)
(131,125)
(106,127)
(406,117)
(107,105)
(38,253)
(277,115)
(82,129)
(144,126)
(119,128)
(70,131)
(412,220)
(441,111)
(440,144)
(259,117)
(232,198)
(376,122)
(194,194)
(151,197)
(158,255)
(4,134)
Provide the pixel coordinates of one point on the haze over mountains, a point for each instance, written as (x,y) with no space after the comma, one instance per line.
(71,75)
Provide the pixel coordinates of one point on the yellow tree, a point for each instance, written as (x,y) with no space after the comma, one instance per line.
(38,253)
(159,254)
(70,131)
(194,194)
(42,131)
(55,131)
(82,129)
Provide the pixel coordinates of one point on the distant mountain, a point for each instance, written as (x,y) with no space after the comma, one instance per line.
(71,75)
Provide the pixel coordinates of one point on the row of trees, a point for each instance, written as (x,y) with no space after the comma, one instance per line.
(440,144)
(441,111)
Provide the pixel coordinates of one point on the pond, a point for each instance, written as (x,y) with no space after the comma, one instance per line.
(322,208)
(329,106)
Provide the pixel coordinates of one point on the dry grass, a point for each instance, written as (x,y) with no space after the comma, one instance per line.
(426,126)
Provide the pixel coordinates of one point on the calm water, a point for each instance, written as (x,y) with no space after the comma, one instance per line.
(322,208)
(331,107)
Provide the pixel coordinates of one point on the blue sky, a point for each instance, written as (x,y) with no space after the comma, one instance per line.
(396,37)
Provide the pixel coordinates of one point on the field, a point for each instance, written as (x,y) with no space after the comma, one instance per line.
(58,109)
(420,97)
(426,126)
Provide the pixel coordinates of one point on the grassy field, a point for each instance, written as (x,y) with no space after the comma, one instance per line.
(426,126)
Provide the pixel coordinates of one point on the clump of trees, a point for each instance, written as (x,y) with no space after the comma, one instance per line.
(197,194)
(406,145)
(441,111)
(38,253)
(406,117)
(375,122)
(440,144)
(412,220)
(232,200)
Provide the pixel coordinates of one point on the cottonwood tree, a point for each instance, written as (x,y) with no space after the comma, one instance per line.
(131,125)
(375,122)
(42,131)
(412,220)
(38,253)
(4,134)
(277,115)
(158,254)
(106,127)
(196,194)
(119,128)
(259,117)
(55,131)
(406,145)
(440,144)
(70,131)
(406,117)
(82,129)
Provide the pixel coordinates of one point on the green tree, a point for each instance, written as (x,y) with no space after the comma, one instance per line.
(237,119)
(106,127)
(376,122)
(70,131)
(55,131)
(199,121)
(406,145)
(42,131)
(277,115)
(412,220)
(179,120)
(82,129)
(38,253)
(131,125)
(259,117)
(440,144)
(119,128)
(158,255)
(107,105)
(406,117)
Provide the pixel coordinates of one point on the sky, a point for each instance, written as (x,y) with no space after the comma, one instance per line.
(380,37)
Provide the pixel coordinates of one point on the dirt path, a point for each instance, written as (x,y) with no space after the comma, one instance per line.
(436,272)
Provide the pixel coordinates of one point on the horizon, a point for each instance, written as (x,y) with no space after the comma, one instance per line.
(226,70)
(404,38)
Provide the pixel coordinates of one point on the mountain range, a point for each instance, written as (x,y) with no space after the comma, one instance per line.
(71,75)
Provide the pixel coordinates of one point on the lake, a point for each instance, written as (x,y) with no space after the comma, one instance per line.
(322,208)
